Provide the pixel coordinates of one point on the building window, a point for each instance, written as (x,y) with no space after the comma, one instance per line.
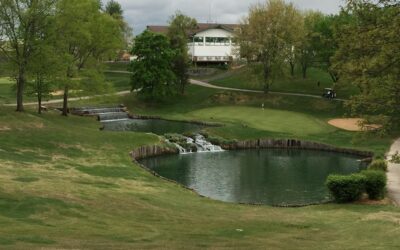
(198,40)
(219,41)
(210,40)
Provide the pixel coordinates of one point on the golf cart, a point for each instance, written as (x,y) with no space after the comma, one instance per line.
(329,93)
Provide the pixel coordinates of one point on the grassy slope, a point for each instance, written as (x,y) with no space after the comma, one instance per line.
(246,78)
(65,184)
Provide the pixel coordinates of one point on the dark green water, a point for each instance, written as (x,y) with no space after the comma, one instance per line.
(267,176)
(159,127)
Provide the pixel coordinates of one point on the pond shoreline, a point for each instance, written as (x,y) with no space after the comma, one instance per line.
(165,149)
(157,150)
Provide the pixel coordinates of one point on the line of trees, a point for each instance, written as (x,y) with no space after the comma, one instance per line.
(59,44)
(275,33)
(358,46)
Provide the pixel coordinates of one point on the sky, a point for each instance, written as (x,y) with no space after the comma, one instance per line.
(140,13)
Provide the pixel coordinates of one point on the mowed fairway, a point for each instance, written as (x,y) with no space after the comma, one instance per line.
(268,119)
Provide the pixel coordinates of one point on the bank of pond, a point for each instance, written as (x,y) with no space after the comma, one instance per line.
(271,172)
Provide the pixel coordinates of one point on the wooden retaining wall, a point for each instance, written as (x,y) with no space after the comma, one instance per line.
(292,144)
(151,151)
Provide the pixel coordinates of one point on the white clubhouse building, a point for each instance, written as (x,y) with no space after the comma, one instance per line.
(209,42)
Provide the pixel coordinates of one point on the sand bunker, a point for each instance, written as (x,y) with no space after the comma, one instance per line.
(352,124)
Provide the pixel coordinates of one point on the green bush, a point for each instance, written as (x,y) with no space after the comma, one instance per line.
(378,165)
(375,184)
(346,188)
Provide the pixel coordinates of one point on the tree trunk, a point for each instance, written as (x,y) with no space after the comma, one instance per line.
(292,65)
(20,90)
(65,103)
(183,85)
(266,79)
(39,103)
(334,76)
(304,70)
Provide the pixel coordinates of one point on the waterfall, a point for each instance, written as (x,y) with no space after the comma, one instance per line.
(201,144)
(113,116)
(96,111)
(110,114)
(182,150)
(205,146)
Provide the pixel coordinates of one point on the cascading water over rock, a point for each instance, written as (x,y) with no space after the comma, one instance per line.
(197,144)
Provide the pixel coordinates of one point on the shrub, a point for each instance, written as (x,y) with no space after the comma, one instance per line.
(395,158)
(346,188)
(378,165)
(375,184)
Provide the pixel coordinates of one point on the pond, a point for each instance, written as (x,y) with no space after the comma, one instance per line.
(159,127)
(266,176)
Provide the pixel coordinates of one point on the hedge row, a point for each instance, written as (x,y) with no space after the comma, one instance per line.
(349,188)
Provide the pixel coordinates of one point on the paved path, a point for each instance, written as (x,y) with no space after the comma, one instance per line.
(192,81)
(55,101)
(208,85)
(393,175)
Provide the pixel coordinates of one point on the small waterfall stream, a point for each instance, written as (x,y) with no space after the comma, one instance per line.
(109,114)
(186,145)
(113,116)
(200,143)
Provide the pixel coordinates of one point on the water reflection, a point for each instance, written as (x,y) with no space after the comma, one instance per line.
(159,127)
(266,176)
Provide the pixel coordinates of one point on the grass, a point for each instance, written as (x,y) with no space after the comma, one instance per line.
(81,190)
(120,82)
(7,94)
(117,66)
(267,119)
(284,117)
(251,78)
(66,184)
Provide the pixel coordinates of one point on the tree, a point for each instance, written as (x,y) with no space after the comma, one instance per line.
(88,37)
(266,34)
(295,40)
(44,69)
(153,76)
(308,45)
(114,9)
(180,27)
(368,57)
(325,43)
(20,23)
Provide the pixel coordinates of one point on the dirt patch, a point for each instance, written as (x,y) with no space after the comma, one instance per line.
(4,128)
(39,125)
(366,201)
(352,124)
(383,216)
(57,93)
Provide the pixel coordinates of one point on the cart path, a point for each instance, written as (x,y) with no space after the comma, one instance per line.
(55,101)
(208,85)
(393,174)
(192,81)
